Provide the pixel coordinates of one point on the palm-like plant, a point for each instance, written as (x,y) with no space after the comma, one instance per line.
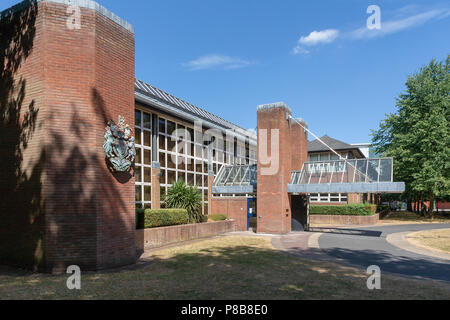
(182,196)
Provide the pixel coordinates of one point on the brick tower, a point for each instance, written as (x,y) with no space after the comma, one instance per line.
(282,147)
(69,69)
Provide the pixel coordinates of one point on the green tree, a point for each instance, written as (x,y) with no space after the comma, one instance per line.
(182,196)
(418,134)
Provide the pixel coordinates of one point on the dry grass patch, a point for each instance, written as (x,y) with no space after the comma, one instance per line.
(223,268)
(407,217)
(432,239)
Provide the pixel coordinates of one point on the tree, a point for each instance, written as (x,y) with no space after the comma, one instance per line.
(418,134)
(182,196)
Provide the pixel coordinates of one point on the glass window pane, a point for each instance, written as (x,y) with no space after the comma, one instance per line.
(137,135)
(198,166)
(182,176)
(138,193)
(190,179)
(137,118)
(162,125)
(148,175)
(314,157)
(138,155)
(147,157)
(199,180)
(138,174)
(147,121)
(147,139)
(171,177)
(190,164)
(191,134)
(162,142)
(171,161)
(147,193)
(162,159)
(171,145)
(170,127)
(181,163)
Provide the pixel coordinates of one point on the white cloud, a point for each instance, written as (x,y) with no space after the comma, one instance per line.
(318,37)
(216,61)
(401,19)
(315,38)
(393,26)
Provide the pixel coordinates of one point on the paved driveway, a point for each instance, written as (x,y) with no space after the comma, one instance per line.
(365,246)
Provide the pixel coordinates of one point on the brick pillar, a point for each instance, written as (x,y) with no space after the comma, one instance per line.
(274,213)
(210,196)
(156,190)
(73,210)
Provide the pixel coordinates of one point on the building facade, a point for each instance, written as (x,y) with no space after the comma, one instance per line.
(318,152)
(62,203)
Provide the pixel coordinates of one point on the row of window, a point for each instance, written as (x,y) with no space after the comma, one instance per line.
(180,157)
(328,197)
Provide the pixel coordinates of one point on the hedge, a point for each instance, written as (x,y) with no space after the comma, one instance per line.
(160,218)
(218,217)
(357,209)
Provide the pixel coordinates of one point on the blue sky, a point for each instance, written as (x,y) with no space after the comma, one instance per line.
(317,56)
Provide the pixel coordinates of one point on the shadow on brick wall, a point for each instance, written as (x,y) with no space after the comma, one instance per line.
(21,215)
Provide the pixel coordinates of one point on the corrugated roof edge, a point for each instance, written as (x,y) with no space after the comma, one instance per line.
(89,4)
(165,97)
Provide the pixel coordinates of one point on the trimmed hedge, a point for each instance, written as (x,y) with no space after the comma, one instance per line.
(149,218)
(218,217)
(357,209)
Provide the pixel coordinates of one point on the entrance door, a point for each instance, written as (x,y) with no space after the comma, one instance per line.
(251,213)
(300,213)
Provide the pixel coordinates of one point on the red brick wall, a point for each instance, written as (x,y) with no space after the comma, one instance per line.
(81,80)
(22,138)
(317,219)
(157,237)
(234,208)
(272,197)
(274,206)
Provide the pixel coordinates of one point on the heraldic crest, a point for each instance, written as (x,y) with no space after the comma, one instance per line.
(119,145)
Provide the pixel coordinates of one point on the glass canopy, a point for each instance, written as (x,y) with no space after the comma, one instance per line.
(235,179)
(352,176)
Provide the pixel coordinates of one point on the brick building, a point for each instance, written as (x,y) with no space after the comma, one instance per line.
(62,82)
(317,152)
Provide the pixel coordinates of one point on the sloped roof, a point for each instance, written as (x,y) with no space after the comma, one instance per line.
(163,96)
(317,146)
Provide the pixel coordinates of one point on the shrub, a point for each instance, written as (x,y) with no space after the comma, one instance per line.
(218,217)
(382,207)
(203,218)
(140,218)
(187,197)
(165,217)
(357,209)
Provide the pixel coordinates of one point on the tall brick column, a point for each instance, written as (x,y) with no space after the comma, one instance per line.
(66,207)
(273,200)
(210,195)
(274,214)
(156,189)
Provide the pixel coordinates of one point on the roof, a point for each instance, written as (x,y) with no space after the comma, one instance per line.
(317,146)
(149,90)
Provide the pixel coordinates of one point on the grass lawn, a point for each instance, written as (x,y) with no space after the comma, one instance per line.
(222,268)
(412,217)
(434,239)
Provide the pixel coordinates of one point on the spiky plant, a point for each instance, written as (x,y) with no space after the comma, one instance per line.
(182,196)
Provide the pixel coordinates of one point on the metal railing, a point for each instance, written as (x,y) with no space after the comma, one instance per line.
(345,171)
